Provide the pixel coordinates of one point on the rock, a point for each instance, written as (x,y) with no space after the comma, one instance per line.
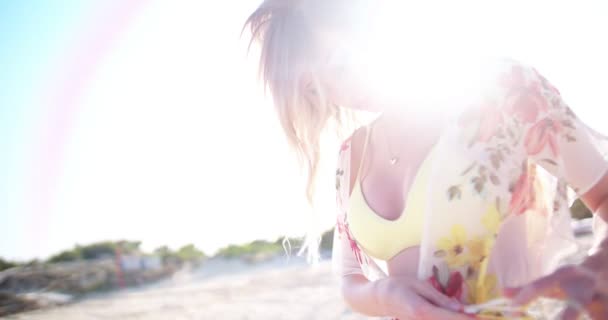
(11,303)
(47,299)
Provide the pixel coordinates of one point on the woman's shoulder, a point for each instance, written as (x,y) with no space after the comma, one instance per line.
(499,78)
(504,71)
(500,64)
(350,154)
(354,142)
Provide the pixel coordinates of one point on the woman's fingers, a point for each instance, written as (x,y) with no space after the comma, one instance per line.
(571,313)
(431,294)
(572,284)
(433,312)
(598,308)
(543,288)
(423,309)
(551,286)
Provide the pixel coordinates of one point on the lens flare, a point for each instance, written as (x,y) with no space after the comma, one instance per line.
(419,56)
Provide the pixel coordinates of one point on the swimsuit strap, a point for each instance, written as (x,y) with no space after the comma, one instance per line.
(362,158)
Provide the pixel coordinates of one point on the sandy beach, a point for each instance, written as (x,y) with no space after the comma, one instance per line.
(219,290)
(226,289)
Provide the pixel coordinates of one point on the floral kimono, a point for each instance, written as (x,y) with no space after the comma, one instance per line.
(497,212)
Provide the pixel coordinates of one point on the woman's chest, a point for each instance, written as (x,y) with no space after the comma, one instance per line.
(387,185)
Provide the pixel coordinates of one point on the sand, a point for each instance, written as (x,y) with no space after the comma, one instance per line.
(224,289)
(219,290)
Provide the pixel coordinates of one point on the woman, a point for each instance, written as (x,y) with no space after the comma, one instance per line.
(438,213)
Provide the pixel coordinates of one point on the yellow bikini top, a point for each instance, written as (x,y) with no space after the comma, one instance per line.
(382,238)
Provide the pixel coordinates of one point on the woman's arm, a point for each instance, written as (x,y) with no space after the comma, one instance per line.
(556,139)
(401,297)
(364,296)
(583,287)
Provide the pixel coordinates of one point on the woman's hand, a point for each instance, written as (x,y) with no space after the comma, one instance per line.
(410,298)
(584,287)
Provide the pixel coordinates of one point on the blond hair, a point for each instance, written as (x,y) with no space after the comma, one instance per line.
(287,32)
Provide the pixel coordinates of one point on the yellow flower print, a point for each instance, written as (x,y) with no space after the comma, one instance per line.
(481,289)
(453,246)
(478,250)
(491,219)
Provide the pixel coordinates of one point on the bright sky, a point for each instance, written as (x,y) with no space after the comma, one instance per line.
(174,143)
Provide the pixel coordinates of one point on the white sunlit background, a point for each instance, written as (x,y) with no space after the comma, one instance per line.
(144,120)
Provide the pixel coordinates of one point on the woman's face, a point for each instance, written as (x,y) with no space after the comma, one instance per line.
(340,74)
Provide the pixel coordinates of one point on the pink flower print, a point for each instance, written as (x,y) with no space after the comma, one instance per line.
(343,229)
(525,105)
(453,288)
(345,145)
(514,79)
(522,195)
(541,135)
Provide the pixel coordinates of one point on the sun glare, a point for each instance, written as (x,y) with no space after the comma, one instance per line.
(408,58)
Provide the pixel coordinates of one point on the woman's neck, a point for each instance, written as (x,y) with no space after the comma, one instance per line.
(405,123)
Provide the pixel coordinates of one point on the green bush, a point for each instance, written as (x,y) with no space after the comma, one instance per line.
(327,239)
(186,253)
(4,264)
(263,246)
(66,256)
(255,247)
(579,210)
(189,253)
(96,250)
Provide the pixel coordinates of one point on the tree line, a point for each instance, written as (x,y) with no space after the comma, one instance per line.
(189,252)
(109,249)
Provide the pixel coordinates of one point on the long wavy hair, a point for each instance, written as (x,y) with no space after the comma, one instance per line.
(287,32)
